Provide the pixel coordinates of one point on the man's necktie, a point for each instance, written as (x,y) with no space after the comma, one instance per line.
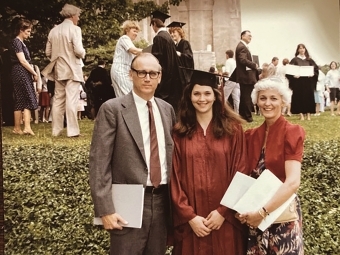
(155,166)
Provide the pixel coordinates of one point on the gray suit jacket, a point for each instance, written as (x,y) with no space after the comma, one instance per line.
(65,49)
(117,149)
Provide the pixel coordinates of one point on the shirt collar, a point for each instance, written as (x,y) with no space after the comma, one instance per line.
(140,101)
(246,44)
(301,57)
(161,29)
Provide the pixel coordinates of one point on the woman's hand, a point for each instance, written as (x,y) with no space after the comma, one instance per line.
(35,78)
(214,220)
(252,219)
(198,226)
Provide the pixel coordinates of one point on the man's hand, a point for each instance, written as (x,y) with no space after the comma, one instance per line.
(111,221)
(214,220)
(198,226)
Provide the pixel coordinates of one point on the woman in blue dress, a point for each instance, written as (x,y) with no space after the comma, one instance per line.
(23,75)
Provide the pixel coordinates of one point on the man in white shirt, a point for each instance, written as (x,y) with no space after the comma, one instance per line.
(274,63)
(122,153)
(231,87)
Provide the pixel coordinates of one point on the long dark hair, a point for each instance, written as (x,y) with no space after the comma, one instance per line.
(306,51)
(224,119)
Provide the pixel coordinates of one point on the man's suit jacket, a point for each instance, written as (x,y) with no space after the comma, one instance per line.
(65,49)
(243,60)
(117,149)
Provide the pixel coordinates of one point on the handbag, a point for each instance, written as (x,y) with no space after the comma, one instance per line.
(289,214)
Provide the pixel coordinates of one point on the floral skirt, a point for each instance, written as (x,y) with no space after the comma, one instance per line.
(278,239)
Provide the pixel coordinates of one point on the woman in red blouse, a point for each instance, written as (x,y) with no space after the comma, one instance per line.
(276,145)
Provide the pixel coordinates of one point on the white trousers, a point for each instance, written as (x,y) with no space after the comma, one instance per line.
(66,99)
(232,88)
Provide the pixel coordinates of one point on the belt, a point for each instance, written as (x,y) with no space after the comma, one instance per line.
(160,189)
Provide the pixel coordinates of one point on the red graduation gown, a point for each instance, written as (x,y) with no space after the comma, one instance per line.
(203,168)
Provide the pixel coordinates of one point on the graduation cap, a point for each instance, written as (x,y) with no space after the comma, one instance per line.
(159,15)
(201,78)
(176,24)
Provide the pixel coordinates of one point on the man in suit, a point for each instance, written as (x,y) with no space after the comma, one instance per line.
(164,49)
(65,49)
(245,74)
(99,88)
(121,154)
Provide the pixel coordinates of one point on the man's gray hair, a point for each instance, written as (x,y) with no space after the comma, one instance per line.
(70,10)
(275,83)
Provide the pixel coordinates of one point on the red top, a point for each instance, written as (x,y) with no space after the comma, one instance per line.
(284,142)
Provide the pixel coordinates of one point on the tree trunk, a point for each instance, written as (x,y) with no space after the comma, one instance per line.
(2,214)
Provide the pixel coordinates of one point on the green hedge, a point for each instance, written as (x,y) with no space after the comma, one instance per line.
(48,208)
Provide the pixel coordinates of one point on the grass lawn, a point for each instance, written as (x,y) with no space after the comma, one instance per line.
(323,127)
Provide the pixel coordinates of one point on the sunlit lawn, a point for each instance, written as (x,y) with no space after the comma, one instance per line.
(323,127)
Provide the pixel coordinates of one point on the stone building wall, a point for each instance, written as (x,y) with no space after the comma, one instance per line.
(212,27)
(210,22)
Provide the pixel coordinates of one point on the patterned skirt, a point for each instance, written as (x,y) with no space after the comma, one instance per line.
(278,239)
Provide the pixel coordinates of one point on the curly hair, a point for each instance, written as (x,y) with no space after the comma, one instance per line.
(224,118)
(127,25)
(271,83)
(179,30)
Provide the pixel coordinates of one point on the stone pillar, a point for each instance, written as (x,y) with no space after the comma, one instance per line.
(226,27)
(210,22)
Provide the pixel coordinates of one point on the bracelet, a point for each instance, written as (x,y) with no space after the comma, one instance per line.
(265,210)
(263,216)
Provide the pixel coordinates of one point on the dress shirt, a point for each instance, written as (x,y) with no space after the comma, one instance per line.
(143,116)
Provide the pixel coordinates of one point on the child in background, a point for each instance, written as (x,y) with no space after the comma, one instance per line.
(82,101)
(44,101)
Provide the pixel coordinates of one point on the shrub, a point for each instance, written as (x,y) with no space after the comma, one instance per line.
(48,208)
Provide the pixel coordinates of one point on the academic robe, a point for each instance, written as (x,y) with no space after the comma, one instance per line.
(172,84)
(303,88)
(186,58)
(203,168)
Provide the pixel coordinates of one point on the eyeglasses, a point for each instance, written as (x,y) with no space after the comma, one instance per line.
(143,73)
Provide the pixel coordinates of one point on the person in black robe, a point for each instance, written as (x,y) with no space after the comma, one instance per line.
(303,87)
(172,84)
(99,87)
(183,46)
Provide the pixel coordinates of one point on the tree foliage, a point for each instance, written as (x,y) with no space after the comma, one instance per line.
(100,21)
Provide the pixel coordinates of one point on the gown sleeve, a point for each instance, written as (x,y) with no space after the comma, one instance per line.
(183,212)
(239,163)
(186,58)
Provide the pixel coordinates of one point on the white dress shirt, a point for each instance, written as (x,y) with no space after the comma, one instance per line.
(143,116)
